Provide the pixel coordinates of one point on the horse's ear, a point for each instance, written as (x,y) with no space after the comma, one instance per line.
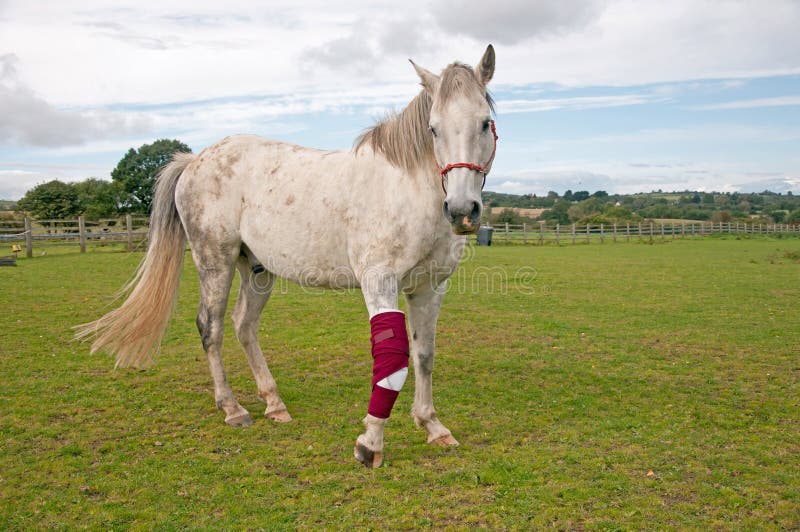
(485,69)
(429,80)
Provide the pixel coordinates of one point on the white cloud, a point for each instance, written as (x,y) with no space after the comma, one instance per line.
(171,51)
(778,101)
(14,183)
(576,103)
(30,120)
(627,178)
(514,21)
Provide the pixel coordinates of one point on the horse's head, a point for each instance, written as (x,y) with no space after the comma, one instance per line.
(464,137)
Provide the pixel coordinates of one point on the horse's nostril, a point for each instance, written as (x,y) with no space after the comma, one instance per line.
(446,209)
(476,210)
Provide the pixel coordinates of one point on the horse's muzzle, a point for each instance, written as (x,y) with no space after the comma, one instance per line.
(466,227)
(466,219)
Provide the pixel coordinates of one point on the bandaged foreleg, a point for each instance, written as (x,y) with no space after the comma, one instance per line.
(389,361)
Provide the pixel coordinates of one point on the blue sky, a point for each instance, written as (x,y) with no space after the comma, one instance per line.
(620,95)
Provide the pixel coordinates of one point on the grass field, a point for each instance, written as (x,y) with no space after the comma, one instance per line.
(624,386)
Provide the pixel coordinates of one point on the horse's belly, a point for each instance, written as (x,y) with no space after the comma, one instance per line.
(307,258)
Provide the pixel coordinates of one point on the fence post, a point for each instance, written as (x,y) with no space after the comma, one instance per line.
(627,231)
(558,229)
(541,233)
(524,233)
(129,230)
(573,233)
(28,238)
(602,234)
(615,231)
(506,233)
(640,231)
(82,233)
(588,226)
(652,228)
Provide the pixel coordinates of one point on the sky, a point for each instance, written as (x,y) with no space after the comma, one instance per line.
(618,95)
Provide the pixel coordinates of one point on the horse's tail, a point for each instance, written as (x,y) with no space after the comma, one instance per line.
(133,331)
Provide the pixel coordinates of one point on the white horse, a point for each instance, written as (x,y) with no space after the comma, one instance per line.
(388,216)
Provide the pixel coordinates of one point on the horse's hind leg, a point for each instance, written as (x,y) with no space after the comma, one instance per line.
(215,267)
(254,293)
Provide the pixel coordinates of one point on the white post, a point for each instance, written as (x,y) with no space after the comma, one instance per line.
(82,233)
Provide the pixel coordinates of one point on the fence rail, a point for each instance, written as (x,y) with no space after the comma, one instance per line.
(541,234)
(71,232)
(133,231)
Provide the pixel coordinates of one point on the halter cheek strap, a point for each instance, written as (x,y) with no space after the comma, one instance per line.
(472,166)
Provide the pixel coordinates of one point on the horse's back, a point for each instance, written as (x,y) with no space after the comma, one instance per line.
(317,217)
(283,201)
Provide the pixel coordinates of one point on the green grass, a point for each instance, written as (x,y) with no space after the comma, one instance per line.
(627,386)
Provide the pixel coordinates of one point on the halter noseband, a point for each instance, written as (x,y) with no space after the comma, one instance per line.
(471,166)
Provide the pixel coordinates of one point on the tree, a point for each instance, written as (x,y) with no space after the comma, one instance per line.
(558,214)
(99,198)
(580,195)
(721,216)
(51,200)
(508,216)
(585,208)
(137,171)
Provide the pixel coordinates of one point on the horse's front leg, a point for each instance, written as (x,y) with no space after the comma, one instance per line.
(390,350)
(423,311)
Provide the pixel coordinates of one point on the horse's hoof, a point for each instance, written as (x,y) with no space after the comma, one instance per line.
(242,420)
(446,441)
(279,416)
(370,459)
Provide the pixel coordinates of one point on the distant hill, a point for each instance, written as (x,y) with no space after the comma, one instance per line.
(8,205)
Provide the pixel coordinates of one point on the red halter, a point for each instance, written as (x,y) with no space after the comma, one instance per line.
(471,166)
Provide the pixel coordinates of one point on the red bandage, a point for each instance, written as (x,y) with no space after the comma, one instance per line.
(390,361)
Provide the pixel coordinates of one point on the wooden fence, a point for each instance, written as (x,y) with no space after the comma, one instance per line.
(132,231)
(541,234)
(72,232)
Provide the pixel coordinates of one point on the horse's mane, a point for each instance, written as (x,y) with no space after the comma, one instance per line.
(403,138)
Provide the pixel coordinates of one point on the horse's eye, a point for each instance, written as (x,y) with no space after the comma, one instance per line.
(433,131)
(486,124)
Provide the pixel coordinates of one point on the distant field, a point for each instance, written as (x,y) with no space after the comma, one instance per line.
(627,385)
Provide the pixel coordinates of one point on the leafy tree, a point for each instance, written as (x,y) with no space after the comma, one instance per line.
(794,218)
(508,216)
(722,216)
(559,214)
(137,171)
(99,198)
(584,208)
(580,195)
(778,216)
(50,200)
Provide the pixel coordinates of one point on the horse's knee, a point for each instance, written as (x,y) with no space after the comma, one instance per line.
(204,327)
(209,327)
